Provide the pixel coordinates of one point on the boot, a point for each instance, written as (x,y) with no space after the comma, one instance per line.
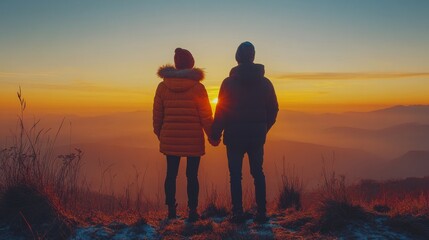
(237,217)
(172,211)
(261,217)
(193,215)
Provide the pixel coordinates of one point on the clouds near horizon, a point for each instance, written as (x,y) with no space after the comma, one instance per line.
(351,75)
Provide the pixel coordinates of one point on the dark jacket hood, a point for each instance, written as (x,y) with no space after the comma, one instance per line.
(248,72)
(180,80)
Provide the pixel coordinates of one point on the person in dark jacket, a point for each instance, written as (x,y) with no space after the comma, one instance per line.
(247,109)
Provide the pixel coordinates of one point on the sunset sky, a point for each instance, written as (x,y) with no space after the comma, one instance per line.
(93,57)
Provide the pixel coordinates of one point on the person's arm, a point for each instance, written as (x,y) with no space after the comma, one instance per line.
(204,109)
(272,106)
(158,111)
(220,114)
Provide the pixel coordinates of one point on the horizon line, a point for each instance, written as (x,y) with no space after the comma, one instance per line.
(350,75)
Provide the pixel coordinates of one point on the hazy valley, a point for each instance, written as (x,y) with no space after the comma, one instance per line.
(383,144)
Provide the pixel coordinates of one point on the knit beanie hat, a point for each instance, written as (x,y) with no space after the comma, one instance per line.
(245,53)
(183,59)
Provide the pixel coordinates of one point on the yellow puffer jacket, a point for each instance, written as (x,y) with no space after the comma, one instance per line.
(181,111)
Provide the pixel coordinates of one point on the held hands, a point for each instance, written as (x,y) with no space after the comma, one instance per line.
(214,142)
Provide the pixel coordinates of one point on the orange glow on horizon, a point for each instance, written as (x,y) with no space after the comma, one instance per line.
(98,98)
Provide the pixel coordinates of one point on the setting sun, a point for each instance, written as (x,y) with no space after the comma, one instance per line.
(214,101)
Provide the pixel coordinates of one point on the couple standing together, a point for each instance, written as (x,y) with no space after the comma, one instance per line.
(246,110)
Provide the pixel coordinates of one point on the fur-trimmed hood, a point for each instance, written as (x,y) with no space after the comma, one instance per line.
(168,71)
(180,80)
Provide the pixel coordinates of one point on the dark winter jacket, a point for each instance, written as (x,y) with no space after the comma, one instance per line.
(247,106)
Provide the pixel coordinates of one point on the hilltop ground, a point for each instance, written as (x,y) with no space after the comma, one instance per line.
(27,213)
(282,225)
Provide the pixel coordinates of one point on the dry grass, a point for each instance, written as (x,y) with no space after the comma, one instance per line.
(333,187)
(214,206)
(290,190)
(30,161)
(394,197)
(336,210)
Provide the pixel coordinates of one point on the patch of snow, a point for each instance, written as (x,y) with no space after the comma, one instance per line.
(150,232)
(275,226)
(218,219)
(92,232)
(102,232)
(372,230)
(264,231)
(6,233)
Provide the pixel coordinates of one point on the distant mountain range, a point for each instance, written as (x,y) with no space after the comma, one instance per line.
(362,142)
(417,131)
(411,164)
(405,109)
(393,140)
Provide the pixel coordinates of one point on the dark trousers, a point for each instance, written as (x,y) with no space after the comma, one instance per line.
(192,176)
(235,162)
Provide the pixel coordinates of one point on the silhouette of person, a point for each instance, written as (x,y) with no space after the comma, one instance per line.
(181,112)
(247,108)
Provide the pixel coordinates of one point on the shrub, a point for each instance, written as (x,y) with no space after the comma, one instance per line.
(27,210)
(335,208)
(35,182)
(334,215)
(381,208)
(333,187)
(213,208)
(30,160)
(290,190)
